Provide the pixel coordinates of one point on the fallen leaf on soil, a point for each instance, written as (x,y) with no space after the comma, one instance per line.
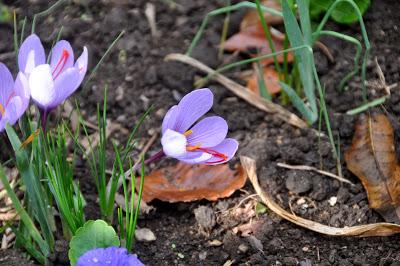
(372,158)
(253,19)
(376,229)
(254,38)
(183,182)
(271,79)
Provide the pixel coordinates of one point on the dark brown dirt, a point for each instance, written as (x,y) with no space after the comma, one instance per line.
(137,76)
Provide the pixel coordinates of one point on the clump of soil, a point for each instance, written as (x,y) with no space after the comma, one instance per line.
(137,77)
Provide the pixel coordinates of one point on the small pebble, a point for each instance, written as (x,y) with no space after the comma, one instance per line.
(332,201)
(205,218)
(243,248)
(144,235)
(203,255)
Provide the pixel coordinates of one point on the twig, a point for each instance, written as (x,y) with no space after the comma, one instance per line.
(375,229)
(310,168)
(241,91)
(150,12)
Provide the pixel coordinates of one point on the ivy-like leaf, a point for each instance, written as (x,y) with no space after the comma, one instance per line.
(94,234)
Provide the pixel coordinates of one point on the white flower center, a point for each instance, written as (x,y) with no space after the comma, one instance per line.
(174,143)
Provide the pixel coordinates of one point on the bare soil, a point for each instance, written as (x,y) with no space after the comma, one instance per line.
(137,77)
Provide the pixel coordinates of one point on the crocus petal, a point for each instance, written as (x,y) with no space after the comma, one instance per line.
(174,143)
(170,118)
(13,111)
(227,147)
(200,158)
(81,64)
(192,106)
(209,132)
(21,88)
(31,54)
(62,57)
(108,256)
(41,85)
(65,85)
(6,84)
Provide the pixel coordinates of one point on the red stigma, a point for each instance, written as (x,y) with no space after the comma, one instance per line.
(214,153)
(61,63)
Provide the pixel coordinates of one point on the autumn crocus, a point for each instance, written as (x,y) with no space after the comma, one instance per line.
(50,84)
(108,256)
(14,97)
(204,142)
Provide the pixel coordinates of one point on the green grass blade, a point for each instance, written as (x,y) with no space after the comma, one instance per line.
(308,114)
(35,190)
(303,57)
(366,106)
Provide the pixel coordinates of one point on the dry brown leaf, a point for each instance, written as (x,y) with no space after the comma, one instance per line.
(271,79)
(372,158)
(376,229)
(244,41)
(252,18)
(184,183)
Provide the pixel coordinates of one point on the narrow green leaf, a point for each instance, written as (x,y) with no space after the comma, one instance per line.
(303,56)
(366,106)
(308,114)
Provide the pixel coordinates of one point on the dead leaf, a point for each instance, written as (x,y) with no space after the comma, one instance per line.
(271,79)
(254,38)
(183,182)
(376,229)
(372,158)
(253,19)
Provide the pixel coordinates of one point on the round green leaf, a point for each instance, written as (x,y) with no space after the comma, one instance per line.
(93,234)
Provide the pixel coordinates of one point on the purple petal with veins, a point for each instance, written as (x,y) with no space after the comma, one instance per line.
(31,54)
(192,106)
(62,57)
(6,84)
(228,147)
(108,256)
(208,132)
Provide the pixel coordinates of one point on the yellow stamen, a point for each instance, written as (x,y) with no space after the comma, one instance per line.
(188,132)
(2,110)
(30,138)
(193,148)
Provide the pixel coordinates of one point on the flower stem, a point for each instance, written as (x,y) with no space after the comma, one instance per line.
(158,155)
(43,119)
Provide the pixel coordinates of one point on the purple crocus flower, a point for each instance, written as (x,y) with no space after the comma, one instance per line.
(50,84)
(14,97)
(202,143)
(108,256)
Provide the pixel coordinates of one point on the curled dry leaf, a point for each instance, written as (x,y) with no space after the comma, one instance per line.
(376,229)
(271,79)
(183,182)
(372,158)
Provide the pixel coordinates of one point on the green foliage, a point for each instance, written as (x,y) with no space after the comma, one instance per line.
(59,175)
(127,218)
(5,13)
(94,234)
(343,12)
(36,197)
